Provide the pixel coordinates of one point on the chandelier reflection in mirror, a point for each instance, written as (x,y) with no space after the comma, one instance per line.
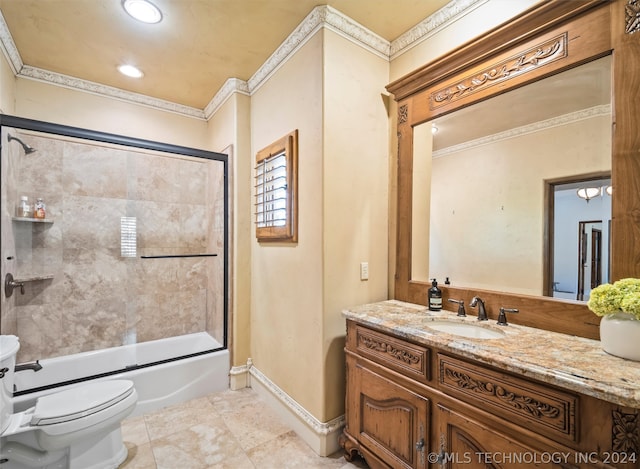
(588,193)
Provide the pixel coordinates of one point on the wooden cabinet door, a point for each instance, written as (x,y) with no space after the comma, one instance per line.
(389,420)
(468,444)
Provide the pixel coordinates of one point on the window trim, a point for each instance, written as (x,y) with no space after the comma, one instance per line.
(287,232)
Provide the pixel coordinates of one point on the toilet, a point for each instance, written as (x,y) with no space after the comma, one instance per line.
(78,428)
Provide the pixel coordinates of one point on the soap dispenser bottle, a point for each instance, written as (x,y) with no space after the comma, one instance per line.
(435,296)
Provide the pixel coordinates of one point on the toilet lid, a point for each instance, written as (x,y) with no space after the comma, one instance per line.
(80,401)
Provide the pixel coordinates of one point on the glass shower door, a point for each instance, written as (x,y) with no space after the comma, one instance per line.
(131,249)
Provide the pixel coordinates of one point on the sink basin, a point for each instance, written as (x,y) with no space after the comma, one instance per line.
(465,329)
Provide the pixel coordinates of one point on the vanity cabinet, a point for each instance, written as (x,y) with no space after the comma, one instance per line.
(411,405)
(392,420)
(468,443)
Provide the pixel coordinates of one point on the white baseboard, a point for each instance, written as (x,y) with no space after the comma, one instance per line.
(239,376)
(322,437)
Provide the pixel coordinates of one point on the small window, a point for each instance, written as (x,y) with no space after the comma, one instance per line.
(276,190)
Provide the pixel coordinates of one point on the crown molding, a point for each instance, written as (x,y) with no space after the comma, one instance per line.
(109,91)
(354,31)
(322,16)
(9,48)
(452,11)
(231,86)
(595,111)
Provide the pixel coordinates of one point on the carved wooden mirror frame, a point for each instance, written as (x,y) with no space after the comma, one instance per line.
(549,38)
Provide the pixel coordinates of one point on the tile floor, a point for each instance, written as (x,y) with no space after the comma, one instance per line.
(224,430)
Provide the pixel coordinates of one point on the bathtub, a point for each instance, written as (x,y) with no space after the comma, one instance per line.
(160,379)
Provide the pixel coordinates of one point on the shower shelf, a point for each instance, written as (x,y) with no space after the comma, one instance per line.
(33,220)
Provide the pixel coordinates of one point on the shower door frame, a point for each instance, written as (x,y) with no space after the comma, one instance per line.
(122,140)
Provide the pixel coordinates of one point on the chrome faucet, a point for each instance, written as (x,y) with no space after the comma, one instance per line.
(36,366)
(482,312)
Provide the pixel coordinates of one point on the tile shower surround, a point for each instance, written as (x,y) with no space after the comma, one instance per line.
(97,298)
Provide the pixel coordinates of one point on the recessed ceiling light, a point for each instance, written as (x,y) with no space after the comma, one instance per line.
(142,10)
(130,71)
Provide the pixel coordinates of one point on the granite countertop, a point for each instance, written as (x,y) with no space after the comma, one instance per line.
(567,361)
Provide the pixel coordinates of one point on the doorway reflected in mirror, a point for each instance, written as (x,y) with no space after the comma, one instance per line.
(580,218)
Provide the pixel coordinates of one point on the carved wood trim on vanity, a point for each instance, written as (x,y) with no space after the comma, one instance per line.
(400,355)
(625,432)
(543,408)
(402,114)
(397,419)
(632,17)
(510,56)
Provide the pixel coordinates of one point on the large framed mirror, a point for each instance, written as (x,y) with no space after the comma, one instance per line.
(487,178)
(490,132)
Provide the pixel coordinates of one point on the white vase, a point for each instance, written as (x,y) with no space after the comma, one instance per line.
(620,335)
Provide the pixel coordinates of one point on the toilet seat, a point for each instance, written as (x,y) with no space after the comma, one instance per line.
(79,402)
(76,428)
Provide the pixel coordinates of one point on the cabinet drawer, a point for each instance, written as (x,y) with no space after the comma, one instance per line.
(404,357)
(548,411)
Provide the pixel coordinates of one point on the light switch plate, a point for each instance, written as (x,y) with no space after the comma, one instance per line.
(364,271)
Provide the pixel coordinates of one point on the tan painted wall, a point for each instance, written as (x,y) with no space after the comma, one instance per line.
(45,102)
(7,87)
(286,279)
(230,129)
(355,194)
(298,291)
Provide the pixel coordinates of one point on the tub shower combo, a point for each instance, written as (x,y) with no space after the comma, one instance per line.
(115,269)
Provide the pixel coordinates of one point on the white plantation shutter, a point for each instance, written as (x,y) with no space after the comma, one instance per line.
(276,190)
(271,191)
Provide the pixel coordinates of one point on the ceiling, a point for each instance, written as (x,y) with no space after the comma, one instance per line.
(188,56)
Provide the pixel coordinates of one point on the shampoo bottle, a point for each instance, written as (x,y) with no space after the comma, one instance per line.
(435,296)
(24,209)
(39,209)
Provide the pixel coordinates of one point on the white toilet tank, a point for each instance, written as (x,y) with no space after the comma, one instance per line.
(9,346)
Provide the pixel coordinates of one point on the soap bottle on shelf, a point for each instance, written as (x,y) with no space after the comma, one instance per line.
(39,209)
(435,296)
(24,209)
